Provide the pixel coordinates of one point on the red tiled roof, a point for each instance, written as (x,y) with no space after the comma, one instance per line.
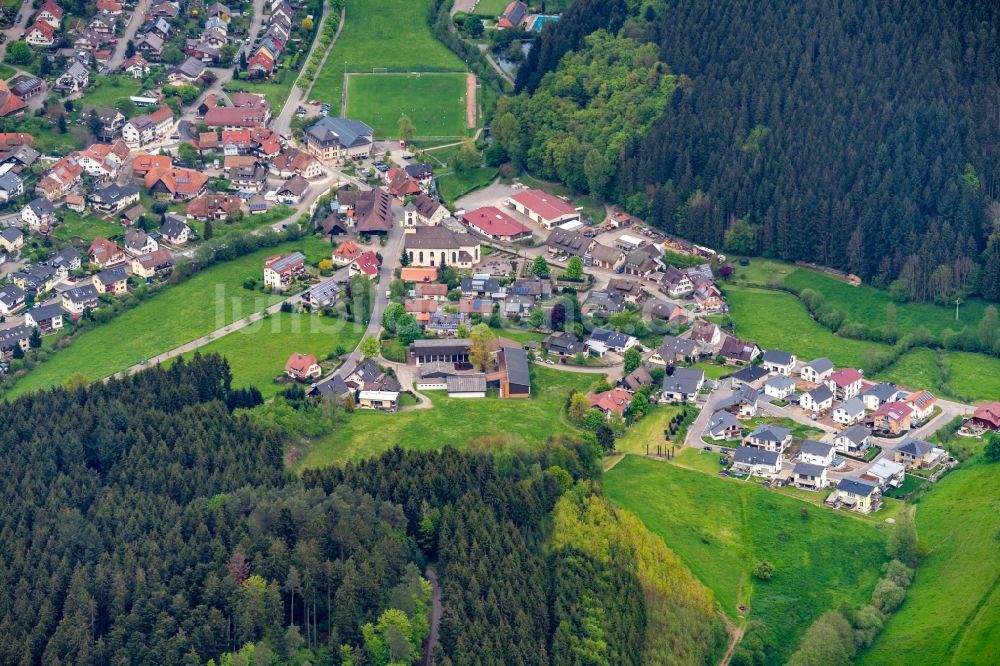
(844,377)
(494,222)
(420,305)
(145,163)
(180,181)
(368,263)
(348,251)
(616,400)
(989,413)
(300,363)
(895,410)
(549,207)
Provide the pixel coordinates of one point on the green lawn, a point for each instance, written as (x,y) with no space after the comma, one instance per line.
(207,301)
(799,430)
(87,227)
(393,34)
(6,71)
(276,92)
(974,375)
(647,431)
(700,460)
(491,8)
(434,102)
(713,370)
(917,369)
(778,320)
(952,612)
(109,90)
(456,421)
(521,335)
(257,353)
(451,186)
(721,528)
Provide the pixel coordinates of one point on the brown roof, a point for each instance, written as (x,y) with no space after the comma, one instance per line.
(177,181)
(208,204)
(143,164)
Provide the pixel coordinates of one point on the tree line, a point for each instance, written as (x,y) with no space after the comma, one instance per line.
(858,135)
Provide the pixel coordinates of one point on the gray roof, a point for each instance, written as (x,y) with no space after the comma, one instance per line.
(780,382)
(746,394)
(516,361)
(821,364)
(883,391)
(82,294)
(11,234)
(750,455)
(42,312)
(11,294)
(78,71)
(572,242)
(331,388)
(112,275)
(10,181)
(9,335)
(916,447)
(770,433)
(777,357)
(808,469)
(723,420)
(856,487)
(852,405)
(290,260)
(191,68)
(346,132)
(821,393)
(471,383)
(751,373)
(814,448)
(677,346)
(42,207)
(610,338)
(684,380)
(437,238)
(856,433)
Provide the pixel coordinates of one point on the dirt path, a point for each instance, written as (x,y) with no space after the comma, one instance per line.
(735,636)
(435,614)
(470,100)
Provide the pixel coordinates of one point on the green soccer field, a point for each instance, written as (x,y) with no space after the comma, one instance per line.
(434,102)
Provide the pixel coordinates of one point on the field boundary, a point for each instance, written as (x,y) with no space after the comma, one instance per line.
(469,91)
(470,100)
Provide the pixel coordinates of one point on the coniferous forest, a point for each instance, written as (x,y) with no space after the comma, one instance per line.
(149,520)
(859,135)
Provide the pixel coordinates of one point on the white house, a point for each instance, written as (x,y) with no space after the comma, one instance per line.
(817,370)
(758,462)
(818,400)
(779,387)
(850,411)
(853,439)
(887,473)
(769,438)
(816,453)
(778,362)
(809,476)
(845,383)
(878,395)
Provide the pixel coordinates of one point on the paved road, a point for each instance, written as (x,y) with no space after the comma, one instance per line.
(136,20)
(283,122)
(15,31)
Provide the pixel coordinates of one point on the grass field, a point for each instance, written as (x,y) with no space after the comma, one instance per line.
(456,421)
(434,102)
(917,368)
(974,375)
(257,353)
(721,528)
(6,71)
(274,92)
(207,301)
(451,186)
(109,90)
(648,430)
(490,8)
(390,33)
(87,227)
(778,320)
(952,612)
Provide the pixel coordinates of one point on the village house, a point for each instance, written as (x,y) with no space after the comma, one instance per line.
(11,299)
(564,344)
(147,265)
(175,231)
(780,387)
(676,282)
(818,400)
(114,197)
(674,350)
(18,336)
(62,177)
(291,190)
(809,477)
(770,438)
(322,295)
(986,417)
(751,375)
(214,207)
(816,453)
(613,401)
(757,462)
(446,351)
(916,453)
(73,80)
(38,212)
(439,246)
(35,280)
(432,290)
(547,210)
(571,243)
(137,67)
(112,281)
(387,401)
(817,370)
(515,15)
(724,426)
(367,263)
(50,13)
(40,34)
(742,403)
(857,495)
(338,139)
(682,385)
(148,128)
(739,352)
(303,367)
(636,379)
(603,340)
(11,240)
(139,242)
(706,334)
(105,254)
(175,183)
(280,271)
(849,411)
(892,417)
(877,395)
(886,473)
(11,186)
(630,290)
(111,122)
(853,440)
(424,210)
(922,403)
(845,383)
(602,256)
(65,261)
(46,318)
(778,362)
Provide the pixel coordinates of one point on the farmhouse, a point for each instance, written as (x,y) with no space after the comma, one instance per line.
(564,344)
(778,362)
(757,462)
(447,351)
(817,370)
(850,411)
(820,399)
(175,183)
(545,209)
(612,401)
(302,367)
(472,385)
(854,439)
(770,438)
(986,417)
(739,352)
(808,476)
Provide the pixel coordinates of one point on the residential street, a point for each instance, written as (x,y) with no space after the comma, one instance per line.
(134,23)
(15,31)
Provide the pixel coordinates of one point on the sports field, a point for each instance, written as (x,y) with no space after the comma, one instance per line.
(722,528)
(434,102)
(490,8)
(391,34)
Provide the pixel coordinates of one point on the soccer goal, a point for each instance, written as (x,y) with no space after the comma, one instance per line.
(380,70)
